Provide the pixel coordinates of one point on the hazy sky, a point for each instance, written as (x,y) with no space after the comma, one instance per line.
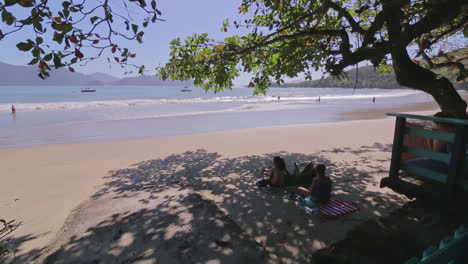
(182,18)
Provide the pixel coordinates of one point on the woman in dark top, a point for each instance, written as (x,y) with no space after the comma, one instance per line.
(320,187)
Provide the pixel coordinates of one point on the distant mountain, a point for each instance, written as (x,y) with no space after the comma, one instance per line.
(367,78)
(103,77)
(145,80)
(13,75)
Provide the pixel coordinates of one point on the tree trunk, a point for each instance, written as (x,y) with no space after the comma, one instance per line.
(412,75)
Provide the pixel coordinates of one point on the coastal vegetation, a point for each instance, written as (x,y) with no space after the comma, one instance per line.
(368,77)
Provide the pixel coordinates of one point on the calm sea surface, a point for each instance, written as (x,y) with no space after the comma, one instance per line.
(46,115)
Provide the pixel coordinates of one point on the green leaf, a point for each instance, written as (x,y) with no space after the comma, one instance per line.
(7,17)
(465,32)
(64,27)
(39,40)
(36,52)
(27,21)
(25,46)
(58,37)
(125,52)
(275,58)
(48,57)
(10,2)
(93,19)
(34,61)
(139,36)
(153,4)
(135,28)
(66,4)
(57,61)
(38,26)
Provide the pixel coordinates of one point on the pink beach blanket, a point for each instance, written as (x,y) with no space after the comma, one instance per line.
(336,207)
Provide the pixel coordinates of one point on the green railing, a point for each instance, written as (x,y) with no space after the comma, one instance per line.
(457,160)
(450,250)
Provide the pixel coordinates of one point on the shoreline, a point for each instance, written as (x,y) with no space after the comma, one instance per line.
(425,107)
(66,134)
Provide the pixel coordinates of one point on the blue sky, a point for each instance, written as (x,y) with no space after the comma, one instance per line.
(182,19)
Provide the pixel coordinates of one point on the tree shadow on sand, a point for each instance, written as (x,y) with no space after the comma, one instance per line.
(165,233)
(277,224)
(13,243)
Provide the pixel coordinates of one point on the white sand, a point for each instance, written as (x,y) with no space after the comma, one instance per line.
(42,185)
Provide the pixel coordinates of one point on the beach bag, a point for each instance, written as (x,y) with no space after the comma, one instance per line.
(262,183)
(311,202)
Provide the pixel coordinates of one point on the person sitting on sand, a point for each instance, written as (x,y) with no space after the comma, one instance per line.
(277,176)
(320,187)
(303,178)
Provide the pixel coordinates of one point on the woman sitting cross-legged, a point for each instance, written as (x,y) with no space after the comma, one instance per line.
(277,176)
(320,188)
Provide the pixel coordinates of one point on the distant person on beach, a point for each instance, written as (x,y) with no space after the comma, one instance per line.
(319,100)
(373,99)
(321,185)
(279,97)
(277,176)
(13,109)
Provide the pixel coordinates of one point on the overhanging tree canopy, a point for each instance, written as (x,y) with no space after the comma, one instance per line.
(299,36)
(69,32)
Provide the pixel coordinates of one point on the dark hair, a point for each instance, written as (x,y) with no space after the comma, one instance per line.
(279,163)
(320,169)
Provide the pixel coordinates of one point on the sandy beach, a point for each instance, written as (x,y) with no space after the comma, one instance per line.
(106,199)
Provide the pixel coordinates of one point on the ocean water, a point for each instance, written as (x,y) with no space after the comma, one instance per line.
(46,115)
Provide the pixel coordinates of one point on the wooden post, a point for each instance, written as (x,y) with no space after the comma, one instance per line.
(397,147)
(455,172)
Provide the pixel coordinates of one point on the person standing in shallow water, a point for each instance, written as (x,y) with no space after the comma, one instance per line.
(13,112)
(373,99)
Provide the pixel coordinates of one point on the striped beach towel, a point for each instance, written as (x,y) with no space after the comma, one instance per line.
(336,207)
